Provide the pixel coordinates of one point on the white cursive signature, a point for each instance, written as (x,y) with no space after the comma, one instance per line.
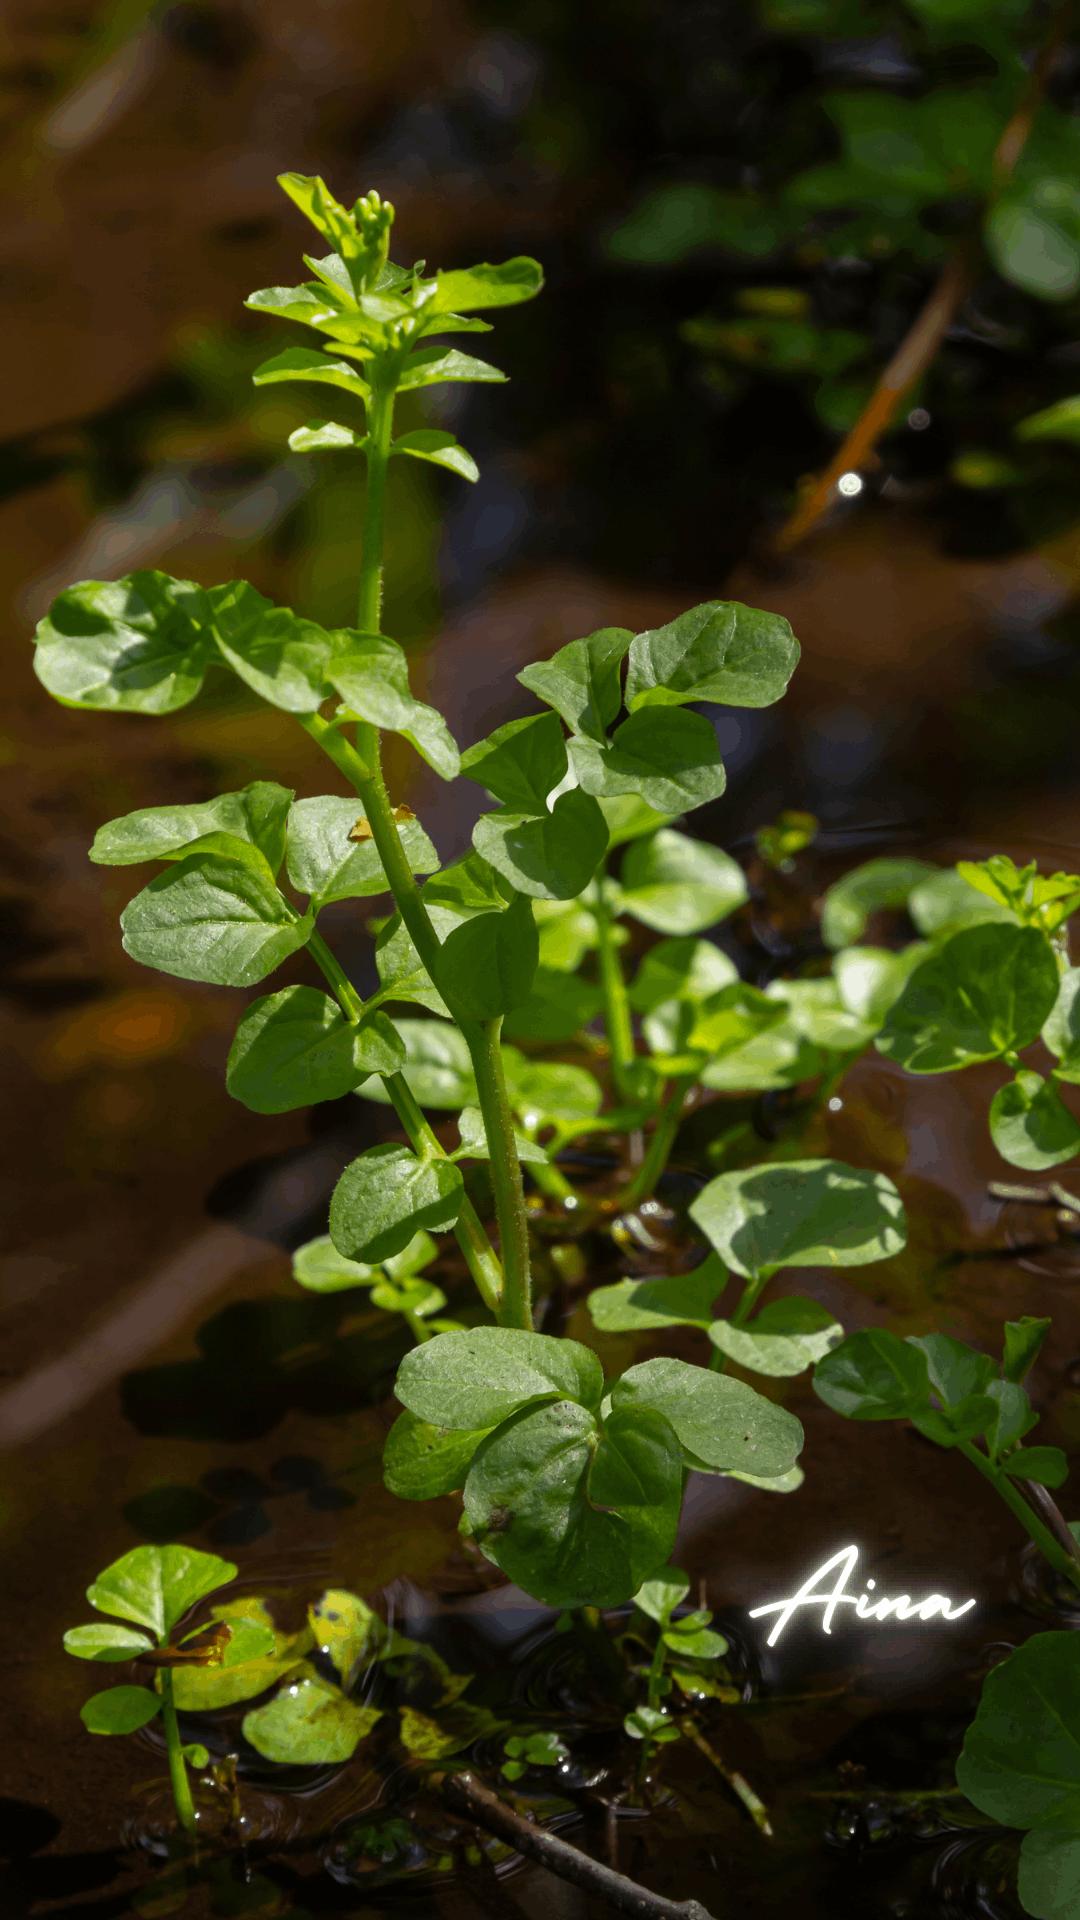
(831,1597)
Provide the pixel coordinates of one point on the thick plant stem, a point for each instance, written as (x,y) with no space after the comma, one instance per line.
(620,1030)
(506,1181)
(1051,1549)
(480,1256)
(658,1153)
(178,1773)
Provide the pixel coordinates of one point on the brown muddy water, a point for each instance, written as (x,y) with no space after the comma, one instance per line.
(164,1379)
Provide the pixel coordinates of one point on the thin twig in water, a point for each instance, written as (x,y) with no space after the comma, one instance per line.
(920,344)
(739,1784)
(466,1795)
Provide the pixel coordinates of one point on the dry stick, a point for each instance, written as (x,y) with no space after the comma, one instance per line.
(920,344)
(465,1794)
(1049,1511)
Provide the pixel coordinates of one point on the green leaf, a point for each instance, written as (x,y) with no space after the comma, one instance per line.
(956,1372)
(817,1012)
(521,763)
(801,1213)
(137,645)
(1023,1343)
(1033,236)
(1049,1878)
(120,1710)
(944,903)
(256,814)
(722,1424)
(102,1641)
(421,1461)
(310,304)
(215,920)
(155,1586)
(874,1375)
(1035,899)
(1011,1416)
(694,1643)
(474,1140)
(480,1377)
(1048,1465)
(437,1066)
(637,1306)
(1021,1757)
(309,1724)
(326,436)
(280,656)
(556,1008)
(582,681)
(307,364)
(660,1596)
(295,1048)
(487,965)
(1062,1029)
(552,857)
(1060,421)
(270,1655)
(486,286)
(667,757)
(550,1092)
(685,969)
(371,674)
(432,366)
(869,979)
(985,992)
(651,1723)
(386,1195)
(785,1337)
(875,887)
(320,1268)
(1030,1124)
(576,1515)
(678,885)
(440,448)
(734,655)
(331,854)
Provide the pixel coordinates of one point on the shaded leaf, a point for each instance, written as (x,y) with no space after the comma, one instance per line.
(295,1048)
(119,1710)
(550,857)
(985,992)
(801,1213)
(481,1376)
(256,814)
(137,645)
(520,763)
(421,1461)
(721,1423)
(1030,1124)
(668,758)
(386,1195)
(582,680)
(785,1337)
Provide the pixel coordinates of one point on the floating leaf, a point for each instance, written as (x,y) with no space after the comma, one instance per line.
(1030,1124)
(309,1724)
(277,1653)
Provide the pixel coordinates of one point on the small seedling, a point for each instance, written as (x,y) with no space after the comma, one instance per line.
(150,1590)
(527,1750)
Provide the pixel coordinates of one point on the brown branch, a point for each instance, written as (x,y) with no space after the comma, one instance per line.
(919,347)
(466,1795)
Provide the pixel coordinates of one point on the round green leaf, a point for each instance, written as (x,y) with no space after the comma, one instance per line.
(326,862)
(801,1213)
(155,1586)
(784,1337)
(685,969)
(280,656)
(309,1724)
(481,1376)
(1062,1030)
(1049,1879)
(678,885)
(576,1516)
(874,1375)
(102,1641)
(295,1048)
(487,964)
(371,674)
(120,1710)
(320,1268)
(875,886)
(985,992)
(636,1306)
(386,1196)
(667,757)
(421,1461)
(1030,1124)
(256,814)
(581,681)
(721,1424)
(1021,1757)
(215,920)
(137,645)
(521,763)
(437,1065)
(259,1653)
(722,651)
(552,856)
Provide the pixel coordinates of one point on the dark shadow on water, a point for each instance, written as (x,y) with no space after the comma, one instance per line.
(230,1504)
(261,1359)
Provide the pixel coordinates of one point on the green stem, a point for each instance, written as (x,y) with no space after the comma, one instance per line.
(620,1029)
(480,1256)
(416,1327)
(380,429)
(1050,1548)
(643,1183)
(178,1773)
(656,1672)
(749,1298)
(506,1181)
